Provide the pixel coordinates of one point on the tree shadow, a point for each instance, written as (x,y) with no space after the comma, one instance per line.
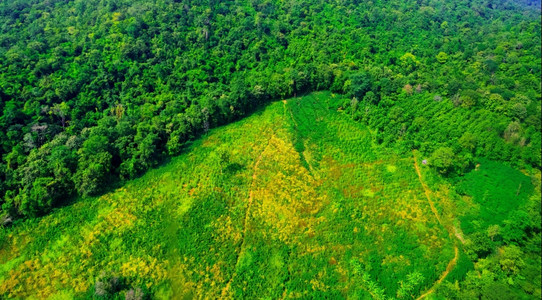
(234,168)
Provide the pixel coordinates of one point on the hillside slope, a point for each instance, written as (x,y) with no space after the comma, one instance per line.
(98,91)
(294,201)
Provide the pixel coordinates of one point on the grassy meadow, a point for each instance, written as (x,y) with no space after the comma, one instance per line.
(295,201)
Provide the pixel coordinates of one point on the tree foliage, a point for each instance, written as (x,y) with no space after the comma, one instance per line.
(93,91)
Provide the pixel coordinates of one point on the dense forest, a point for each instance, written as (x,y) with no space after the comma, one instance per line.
(95,92)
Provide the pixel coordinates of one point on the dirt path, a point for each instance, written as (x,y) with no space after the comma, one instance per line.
(449,268)
(249,205)
(426,189)
(459,235)
(452,262)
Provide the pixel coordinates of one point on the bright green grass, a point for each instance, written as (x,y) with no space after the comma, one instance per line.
(496,190)
(305,206)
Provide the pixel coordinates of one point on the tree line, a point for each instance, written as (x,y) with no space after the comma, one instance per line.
(96,91)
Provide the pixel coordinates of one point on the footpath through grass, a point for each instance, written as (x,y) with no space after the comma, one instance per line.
(295,201)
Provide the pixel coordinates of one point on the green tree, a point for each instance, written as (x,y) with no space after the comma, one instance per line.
(94,165)
(61,110)
(370,98)
(516,227)
(38,198)
(409,62)
(468,141)
(443,159)
(409,286)
(359,85)
(511,259)
(442,57)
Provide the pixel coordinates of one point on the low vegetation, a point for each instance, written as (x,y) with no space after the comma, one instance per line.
(270,149)
(295,201)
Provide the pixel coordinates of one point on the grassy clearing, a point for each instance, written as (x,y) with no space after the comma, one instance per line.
(495,190)
(295,201)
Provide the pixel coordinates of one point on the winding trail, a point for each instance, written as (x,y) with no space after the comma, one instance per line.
(459,235)
(426,189)
(452,262)
(449,268)
(246,217)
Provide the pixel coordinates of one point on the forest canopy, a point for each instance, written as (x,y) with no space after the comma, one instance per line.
(98,90)
(402,162)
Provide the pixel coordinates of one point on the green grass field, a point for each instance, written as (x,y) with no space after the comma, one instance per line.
(295,201)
